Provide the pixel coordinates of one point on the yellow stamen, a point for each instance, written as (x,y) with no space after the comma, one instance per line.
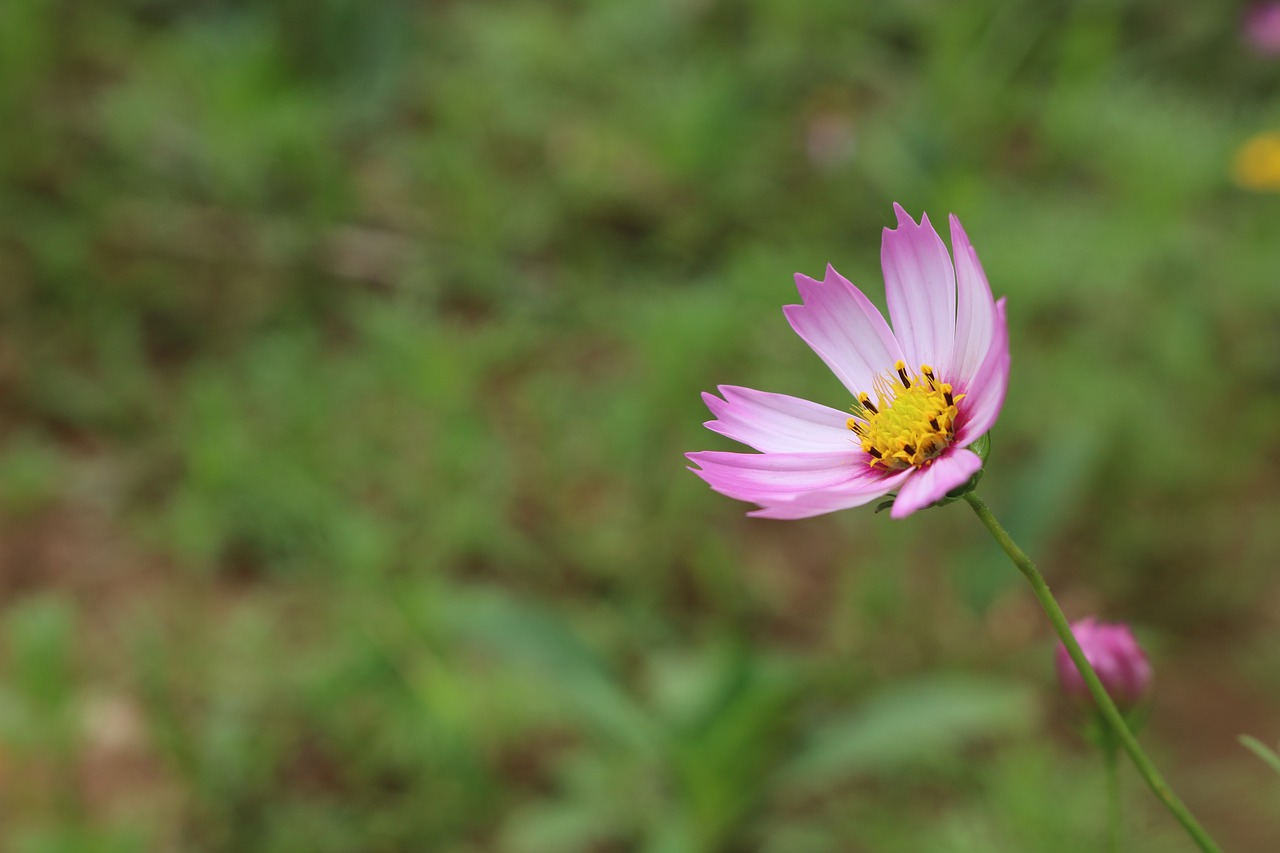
(911,422)
(901,367)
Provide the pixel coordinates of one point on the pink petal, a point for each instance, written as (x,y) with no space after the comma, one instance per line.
(930,484)
(777,423)
(986,391)
(920,287)
(820,503)
(767,478)
(975,310)
(844,329)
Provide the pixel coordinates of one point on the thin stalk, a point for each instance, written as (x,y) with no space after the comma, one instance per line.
(1106,707)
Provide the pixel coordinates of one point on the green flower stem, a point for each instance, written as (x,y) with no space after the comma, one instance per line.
(1107,708)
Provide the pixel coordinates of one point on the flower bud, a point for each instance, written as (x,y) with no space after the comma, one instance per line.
(1262,28)
(1117,658)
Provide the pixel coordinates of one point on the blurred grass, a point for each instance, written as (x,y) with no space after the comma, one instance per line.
(350,351)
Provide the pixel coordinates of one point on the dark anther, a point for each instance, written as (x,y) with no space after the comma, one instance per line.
(909,449)
(876,453)
(866,404)
(951,401)
(902,374)
(933,422)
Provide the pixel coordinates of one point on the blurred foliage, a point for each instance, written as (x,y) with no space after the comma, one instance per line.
(350,351)
(1261,750)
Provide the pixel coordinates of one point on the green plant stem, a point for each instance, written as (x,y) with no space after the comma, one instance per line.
(1106,707)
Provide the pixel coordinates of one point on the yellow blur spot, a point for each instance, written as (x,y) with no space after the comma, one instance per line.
(1257,165)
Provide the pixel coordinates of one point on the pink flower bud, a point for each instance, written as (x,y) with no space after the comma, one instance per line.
(1262,28)
(1117,658)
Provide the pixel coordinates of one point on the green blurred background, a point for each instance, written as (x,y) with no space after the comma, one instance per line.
(349,353)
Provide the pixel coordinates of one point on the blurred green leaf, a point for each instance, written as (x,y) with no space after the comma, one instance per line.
(540,644)
(1261,750)
(921,722)
(39,635)
(31,474)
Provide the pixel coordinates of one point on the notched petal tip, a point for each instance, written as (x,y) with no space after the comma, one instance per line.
(811,290)
(909,226)
(959,237)
(804,281)
(807,284)
(844,328)
(920,289)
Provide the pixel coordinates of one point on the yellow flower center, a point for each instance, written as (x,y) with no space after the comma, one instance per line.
(910,423)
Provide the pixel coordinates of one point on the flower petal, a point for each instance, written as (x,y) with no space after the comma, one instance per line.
(820,503)
(975,311)
(777,423)
(986,391)
(771,477)
(929,485)
(920,287)
(844,329)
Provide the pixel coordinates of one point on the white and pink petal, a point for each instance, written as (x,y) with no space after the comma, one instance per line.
(770,477)
(778,423)
(975,311)
(930,484)
(820,503)
(920,289)
(844,328)
(986,392)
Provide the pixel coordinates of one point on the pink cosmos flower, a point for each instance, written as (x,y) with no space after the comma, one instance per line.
(1115,655)
(924,390)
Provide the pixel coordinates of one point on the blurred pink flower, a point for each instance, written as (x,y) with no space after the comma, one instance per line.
(1262,28)
(938,380)
(1115,655)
